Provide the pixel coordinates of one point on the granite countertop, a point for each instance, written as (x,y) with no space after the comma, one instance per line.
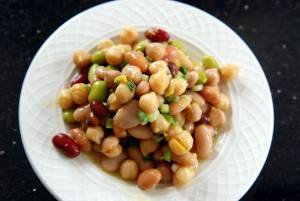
(270,28)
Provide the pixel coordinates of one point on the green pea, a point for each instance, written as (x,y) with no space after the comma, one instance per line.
(202,77)
(209,62)
(108,123)
(141,46)
(68,116)
(92,72)
(98,91)
(98,57)
(164,108)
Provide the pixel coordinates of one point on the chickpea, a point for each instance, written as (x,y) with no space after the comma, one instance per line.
(148,146)
(141,132)
(180,118)
(224,103)
(119,132)
(229,72)
(216,117)
(157,66)
(100,72)
(192,78)
(184,60)
(149,178)
(142,88)
(166,172)
(189,126)
(79,136)
(129,170)
(64,99)
(149,102)
(113,164)
(173,131)
(115,55)
(135,154)
(79,93)
(81,59)
(213,77)
(177,87)
(104,44)
(123,93)
(132,73)
(155,51)
(129,35)
(95,134)
(193,112)
(196,97)
(211,94)
(81,113)
(113,104)
(182,143)
(109,77)
(204,142)
(137,58)
(160,125)
(160,98)
(183,175)
(159,82)
(180,105)
(110,146)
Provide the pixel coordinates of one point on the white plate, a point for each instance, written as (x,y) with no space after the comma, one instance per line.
(227,176)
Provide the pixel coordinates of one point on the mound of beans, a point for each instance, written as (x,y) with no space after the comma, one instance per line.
(144,107)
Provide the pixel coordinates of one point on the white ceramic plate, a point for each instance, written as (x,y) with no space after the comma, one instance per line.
(229,173)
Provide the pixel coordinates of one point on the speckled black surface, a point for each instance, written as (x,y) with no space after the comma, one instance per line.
(270,28)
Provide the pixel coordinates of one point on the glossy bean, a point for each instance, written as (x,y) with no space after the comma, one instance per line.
(81,59)
(159,82)
(79,136)
(155,51)
(135,154)
(110,147)
(64,99)
(109,77)
(95,134)
(217,117)
(66,144)
(187,159)
(113,104)
(229,72)
(142,88)
(193,112)
(149,102)
(128,35)
(183,175)
(81,113)
(166,172)
(149,178)
(180,105)
(129,170)
(141,132)
(204,142)
(213,77)
(137,59)
(211,94)
(113,164)
(123,93)
(132,73)
(79,93)
(148,146)
(127,116)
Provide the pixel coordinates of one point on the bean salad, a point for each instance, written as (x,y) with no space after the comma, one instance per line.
(144,107)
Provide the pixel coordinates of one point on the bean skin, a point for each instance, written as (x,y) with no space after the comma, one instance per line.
(149,178)
(69,147)
(204,142)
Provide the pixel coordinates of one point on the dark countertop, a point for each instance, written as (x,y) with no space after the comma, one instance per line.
(270,28)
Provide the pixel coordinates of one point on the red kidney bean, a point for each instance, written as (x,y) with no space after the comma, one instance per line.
(66,144)
(81,77)
(173,68)
(157,35)
(92,119)
(99,109)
